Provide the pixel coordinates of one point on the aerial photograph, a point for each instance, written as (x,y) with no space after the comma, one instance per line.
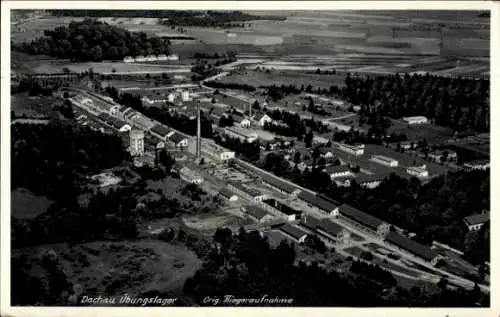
(222,158)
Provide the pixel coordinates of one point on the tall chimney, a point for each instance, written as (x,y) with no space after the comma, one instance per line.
(250,113)
(198,131)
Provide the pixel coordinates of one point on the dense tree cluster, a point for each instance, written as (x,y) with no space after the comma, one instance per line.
(373,272)
(212,19)
(459,103)
(297,127)
(91,40)
(434,211)
(217,84)
(245,150)
(47,159)
(245,266)
(215,55)
(275,92)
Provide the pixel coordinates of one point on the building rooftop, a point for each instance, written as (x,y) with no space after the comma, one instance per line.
(415,118)
(225,192)
(352,146)
(360,216)
(337,169)
(273,181)
(477,163)
(176,137)
(409,245)
(330,227)
(251,191)
(477,219)
(161,130)
(256,212)
(384,158)
(316,201)
(282,207)
(293,231)
(310,222)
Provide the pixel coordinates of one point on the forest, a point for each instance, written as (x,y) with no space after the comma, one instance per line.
(434,211)
(178,17)
(48,159)
(91,40)
(247,267)
(459,103)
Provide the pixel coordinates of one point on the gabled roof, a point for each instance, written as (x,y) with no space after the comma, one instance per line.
(477,219)
(260,116)
(337,169)
(282,207)
(176,137)
(250,191)
(256,212)
(273,181)
(293,231)
(411,246)
(360,216)
(225,192)
(317,201)
(310,222)
(160,130)
(330,227)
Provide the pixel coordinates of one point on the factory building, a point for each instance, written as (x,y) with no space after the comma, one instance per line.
(294,233)
(413,248)
(251,194)
(384,160)
(281,210)
(319,203)
(417,171)
(354,149)
(415,120)
(257,214)
(364,221)
(331,233)
(136,147)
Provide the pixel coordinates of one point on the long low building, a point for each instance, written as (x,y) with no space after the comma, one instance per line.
(331,233)
(257,214)
(364,221)
(251,194)
(279,185)
(281,210)
(295,233)
(227,194)
(414,248)
(319,203)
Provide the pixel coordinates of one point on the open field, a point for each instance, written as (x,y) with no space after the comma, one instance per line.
(113,268)
(30,30)
(434,134)
(26,205)
(261,78)
(33,107)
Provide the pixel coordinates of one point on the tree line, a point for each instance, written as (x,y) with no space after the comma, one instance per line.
(92,40)
(224,19)
(459,103)
(245,266)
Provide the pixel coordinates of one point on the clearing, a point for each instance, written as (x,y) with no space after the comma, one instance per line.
(26,205)
(113,268)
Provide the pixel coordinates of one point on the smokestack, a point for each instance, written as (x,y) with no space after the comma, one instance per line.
(198,131)
(250,113)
